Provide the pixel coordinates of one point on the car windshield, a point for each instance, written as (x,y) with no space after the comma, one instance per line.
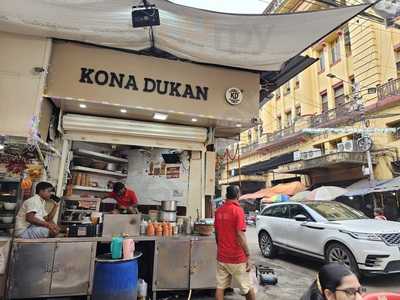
(333,211)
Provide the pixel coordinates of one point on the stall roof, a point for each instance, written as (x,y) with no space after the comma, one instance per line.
(251,42)
(364,187)
(290,188)
(388,186)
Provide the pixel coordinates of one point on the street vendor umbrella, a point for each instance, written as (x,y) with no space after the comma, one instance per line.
(300,196)
(277,198)
(326,193)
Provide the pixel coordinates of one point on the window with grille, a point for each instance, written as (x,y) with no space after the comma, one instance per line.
(297,81)
(335,51)
(298,111)
(279,123)
(286,88)
(278,93)
(321,61)
(324,101)
(249,136)
(397,57)
(289,120)
(353,84)
(338,93)
(347,41)
(396,124)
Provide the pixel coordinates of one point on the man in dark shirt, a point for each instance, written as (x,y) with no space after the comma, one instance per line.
(232,250)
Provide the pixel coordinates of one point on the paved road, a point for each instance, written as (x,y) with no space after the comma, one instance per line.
(296,273)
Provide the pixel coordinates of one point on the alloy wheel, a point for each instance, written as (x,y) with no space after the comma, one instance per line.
(266,244)
(339,255)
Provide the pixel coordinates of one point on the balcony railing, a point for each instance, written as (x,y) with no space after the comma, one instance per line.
(324,161)
(392,88)
(274,5)
(346,110)
(268,138)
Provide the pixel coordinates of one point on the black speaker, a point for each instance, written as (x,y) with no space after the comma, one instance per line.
(145,17)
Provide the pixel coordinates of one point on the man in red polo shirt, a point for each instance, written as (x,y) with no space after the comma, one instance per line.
(125,198)
(232,250)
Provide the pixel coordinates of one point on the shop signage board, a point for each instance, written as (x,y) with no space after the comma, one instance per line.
(115,77)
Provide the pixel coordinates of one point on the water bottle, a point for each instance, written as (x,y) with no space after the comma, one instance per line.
(116,247)
(142,289)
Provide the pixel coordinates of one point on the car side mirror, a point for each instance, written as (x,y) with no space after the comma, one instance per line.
(301,218)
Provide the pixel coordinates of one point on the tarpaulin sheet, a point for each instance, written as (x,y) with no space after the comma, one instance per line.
(255,42)
(289,189)
(364,187)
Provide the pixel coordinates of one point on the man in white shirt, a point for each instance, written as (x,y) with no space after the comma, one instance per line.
(33,222)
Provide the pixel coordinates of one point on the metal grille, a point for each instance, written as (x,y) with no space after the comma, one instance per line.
(391,239)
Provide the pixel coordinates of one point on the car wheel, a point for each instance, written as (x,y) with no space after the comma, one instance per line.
(337,252)
(267,247)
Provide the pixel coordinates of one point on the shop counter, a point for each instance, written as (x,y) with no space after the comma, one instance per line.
(64,266)
(108,239)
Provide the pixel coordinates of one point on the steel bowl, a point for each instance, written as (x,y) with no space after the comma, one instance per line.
(9,205)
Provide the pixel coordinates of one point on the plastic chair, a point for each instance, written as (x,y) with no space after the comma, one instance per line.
(382,296)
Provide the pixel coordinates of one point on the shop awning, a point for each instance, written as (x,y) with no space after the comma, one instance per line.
(264,166)
(252,42)
(364,187)
(289,189)
(388,186)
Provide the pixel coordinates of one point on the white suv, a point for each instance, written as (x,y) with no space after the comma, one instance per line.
(330,231)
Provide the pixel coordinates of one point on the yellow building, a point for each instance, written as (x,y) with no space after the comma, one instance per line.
(362,55)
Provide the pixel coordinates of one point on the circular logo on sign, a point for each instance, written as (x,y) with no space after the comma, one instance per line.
(234,96)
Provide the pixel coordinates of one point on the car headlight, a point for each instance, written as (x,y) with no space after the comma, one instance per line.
(363,236)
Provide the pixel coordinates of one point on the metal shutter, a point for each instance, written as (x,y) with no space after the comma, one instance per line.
(130,132)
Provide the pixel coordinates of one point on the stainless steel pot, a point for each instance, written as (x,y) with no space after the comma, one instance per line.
(169,205)
(167,216)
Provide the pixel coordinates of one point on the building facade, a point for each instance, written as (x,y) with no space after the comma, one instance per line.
(354,84)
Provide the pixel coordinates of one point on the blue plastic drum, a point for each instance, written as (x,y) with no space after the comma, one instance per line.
(115,279)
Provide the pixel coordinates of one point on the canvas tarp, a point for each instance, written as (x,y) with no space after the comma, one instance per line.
(364,187)
(255,42)
(289,189)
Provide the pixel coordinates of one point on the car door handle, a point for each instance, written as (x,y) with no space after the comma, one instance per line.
(312,227)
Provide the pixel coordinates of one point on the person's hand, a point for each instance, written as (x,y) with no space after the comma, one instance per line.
(248,266)
(53,228)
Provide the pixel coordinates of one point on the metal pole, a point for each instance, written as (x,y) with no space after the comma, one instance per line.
(364,125)
(370,168)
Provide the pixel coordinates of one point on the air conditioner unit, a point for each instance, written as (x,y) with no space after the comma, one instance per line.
(304,155)
(349,146)
(297,155)
(340,147)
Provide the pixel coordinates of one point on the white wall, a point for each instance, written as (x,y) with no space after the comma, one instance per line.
(152,188)
(21,89)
